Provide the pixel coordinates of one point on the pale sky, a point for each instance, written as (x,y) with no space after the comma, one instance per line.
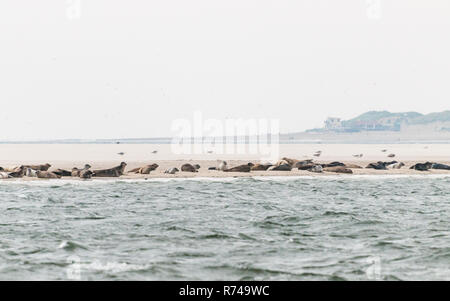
(129,68)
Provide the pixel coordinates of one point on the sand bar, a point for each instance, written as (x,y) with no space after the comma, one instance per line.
(67,156)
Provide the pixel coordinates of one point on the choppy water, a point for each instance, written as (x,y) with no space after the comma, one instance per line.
(353,228)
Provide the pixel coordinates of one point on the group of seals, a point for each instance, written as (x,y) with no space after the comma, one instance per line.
(14,172)
(83,173)
(285,164)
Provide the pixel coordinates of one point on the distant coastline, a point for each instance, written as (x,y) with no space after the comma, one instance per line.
(372,127)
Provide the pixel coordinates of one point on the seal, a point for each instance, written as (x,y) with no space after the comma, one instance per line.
(148,168)
(62,172)
(239,168)
(18,172)
(303,165)
(440,166)
(76,171)
(354,166)
(85,174)
(145,170)
(333,164)
(283,162)
(306,166)
(111,172)
(316,168)
(223,165)
(280,167)
(41,167)
(4,175)
(172,170)
(338,169)
(188,168)
(397,165)
(46,175)
(31,173)
(380,165)
(290,161)
(261,167)
(422,166)
(11,169)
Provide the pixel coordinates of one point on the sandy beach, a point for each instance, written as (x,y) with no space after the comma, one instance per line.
(99,156)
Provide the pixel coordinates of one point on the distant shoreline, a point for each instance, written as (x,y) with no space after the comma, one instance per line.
(444,141)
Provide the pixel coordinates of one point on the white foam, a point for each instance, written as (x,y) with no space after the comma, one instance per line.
(63,182)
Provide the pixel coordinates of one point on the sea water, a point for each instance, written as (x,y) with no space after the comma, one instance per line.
(267,228)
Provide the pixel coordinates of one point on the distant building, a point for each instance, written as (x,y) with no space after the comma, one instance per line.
(333,123)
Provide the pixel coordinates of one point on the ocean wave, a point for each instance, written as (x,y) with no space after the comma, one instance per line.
(57,183)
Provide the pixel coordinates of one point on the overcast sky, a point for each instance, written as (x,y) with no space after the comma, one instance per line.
(117,69)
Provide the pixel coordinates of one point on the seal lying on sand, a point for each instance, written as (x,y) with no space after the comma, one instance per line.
(352,166)
(223,165)
(4,175)
(440,166)
(316,168)
(172,170)
(188,168)
(85,174)
(422,166)
(18,172)
(13,168)
(42,167)
(280,167)
(111,172)
(46,175)
(240,168)
(289,161)
(380,165)
(145,170)
(31,173)
(261,167)
(397,165)
(304,165)
(338,169)
(333,164)
(62,172)
(76,172)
